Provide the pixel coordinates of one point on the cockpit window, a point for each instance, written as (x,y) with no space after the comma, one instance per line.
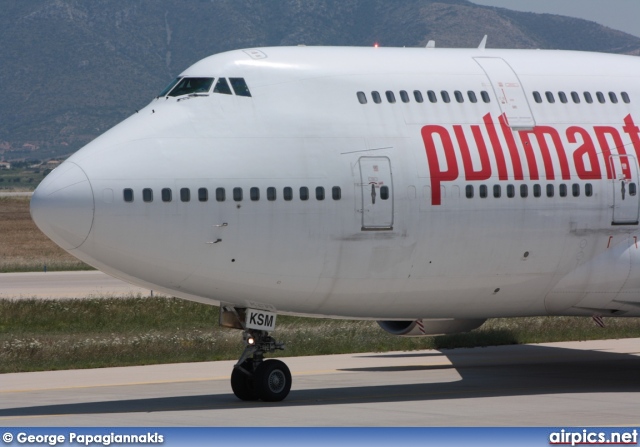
(222,87)
(240,87)
(168,88)
(189,86)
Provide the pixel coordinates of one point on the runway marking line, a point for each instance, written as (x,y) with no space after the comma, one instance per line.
(208,379)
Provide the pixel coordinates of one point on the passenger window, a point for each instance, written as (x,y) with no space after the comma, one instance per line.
(550,190)
(588,98)
(166,194)
(390,97)
(537,98)
(222,87)
(588,190)
(469,191)
(271,193)
(472,96)
(600,97)
(185,195)
(445,96)
(576,97)
(483,191)
(336,193)
(459,96)
(575,190)
(240,87)
(127,194)
(432,96)
(632,189)
(563,190)
(304,193)
(203,194)
(550,98)
(625,97)
(319,193)
(287,193)
(562,97)
(189,86)
(147,195)
(376,97)
(485,97)
(237,194)
(221,194)
(511,191)
(417,94)
(254,194)
(524,191)
(384,192)
(497,191)
(362,98)
(404,96)
(537,190)
(613,97)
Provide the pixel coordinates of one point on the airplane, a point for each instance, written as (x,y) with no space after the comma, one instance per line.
(427,189)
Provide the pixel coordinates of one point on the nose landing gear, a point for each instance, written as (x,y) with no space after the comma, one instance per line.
(253,377)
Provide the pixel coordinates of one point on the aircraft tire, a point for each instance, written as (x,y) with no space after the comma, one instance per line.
(244,386)
(273,380)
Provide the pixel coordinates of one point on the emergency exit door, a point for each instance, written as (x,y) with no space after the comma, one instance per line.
(376,188)
(626,200)
(509,91)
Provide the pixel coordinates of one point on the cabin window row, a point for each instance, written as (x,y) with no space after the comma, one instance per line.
(237,194)
(536,190)
(432,96)
(577,98)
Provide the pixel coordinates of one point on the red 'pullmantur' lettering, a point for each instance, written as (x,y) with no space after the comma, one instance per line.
(587,148)
(609,138)
(438,176)
(485,166)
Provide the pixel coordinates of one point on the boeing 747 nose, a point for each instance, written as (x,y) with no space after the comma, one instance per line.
(62,206)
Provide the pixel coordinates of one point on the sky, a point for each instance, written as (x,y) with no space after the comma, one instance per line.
(623,15)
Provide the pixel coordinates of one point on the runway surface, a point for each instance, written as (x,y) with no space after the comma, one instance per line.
(558,384)
(64,285)
(16,194)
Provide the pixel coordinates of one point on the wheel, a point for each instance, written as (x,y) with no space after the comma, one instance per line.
(244,386)
(273,380)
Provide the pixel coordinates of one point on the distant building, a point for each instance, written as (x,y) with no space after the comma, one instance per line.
(5,165)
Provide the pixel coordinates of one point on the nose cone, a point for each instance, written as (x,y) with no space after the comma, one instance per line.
(62,206)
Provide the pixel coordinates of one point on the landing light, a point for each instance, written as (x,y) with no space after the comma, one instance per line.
(376,45)
(251,341)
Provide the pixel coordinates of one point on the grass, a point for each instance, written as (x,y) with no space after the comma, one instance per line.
(22,179)
(23,247)
(40,335)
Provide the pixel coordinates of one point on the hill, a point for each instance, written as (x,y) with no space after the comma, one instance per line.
(72,68)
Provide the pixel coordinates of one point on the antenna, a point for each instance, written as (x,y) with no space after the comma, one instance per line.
(483,43)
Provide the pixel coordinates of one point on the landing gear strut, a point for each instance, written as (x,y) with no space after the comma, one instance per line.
(253,377)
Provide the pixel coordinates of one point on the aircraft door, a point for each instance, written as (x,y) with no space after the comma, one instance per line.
(376,193)
(507,88)
(626,200)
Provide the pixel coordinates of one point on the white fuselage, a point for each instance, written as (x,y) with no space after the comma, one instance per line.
(422,212)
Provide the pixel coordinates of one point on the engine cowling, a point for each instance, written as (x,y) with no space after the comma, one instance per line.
(430,326)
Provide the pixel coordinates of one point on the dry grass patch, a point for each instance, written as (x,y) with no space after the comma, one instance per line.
(40,335)
(23,247)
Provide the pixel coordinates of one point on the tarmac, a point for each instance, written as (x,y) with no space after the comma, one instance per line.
(591,383)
